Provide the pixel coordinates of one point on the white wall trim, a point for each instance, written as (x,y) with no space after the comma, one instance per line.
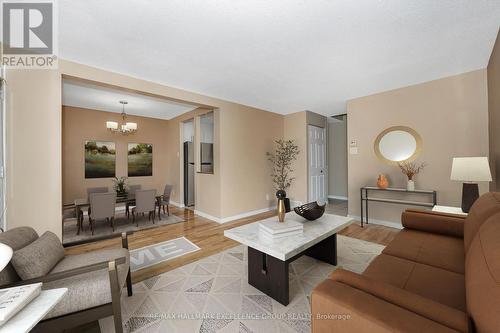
(379,222)
(338,197)
(176,204)
(234,217)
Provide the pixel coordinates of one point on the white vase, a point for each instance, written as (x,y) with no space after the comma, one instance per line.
(410,186)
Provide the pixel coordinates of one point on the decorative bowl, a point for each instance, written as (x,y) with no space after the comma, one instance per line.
(310,211)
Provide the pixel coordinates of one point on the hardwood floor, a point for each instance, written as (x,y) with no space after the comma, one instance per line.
(209,236)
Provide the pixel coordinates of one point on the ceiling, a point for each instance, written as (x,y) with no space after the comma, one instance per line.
(94,97)
(281,55)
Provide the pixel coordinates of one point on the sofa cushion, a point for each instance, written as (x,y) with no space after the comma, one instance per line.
(438,284)
(38,258)
(431,249)
(16,238)
(482,271)
(487,205)
(89,289)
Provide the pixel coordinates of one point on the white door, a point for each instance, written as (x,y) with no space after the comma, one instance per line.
(317,164)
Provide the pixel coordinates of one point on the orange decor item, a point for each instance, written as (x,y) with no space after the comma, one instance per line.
(382,181)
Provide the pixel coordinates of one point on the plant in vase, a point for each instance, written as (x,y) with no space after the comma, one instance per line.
(410,169)
(120,186)
(286,152)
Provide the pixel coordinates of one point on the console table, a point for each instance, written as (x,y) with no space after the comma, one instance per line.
(365,198)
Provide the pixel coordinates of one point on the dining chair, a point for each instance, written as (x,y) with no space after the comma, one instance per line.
(164,200)
(102,207)
(86,211)
(131,195)
(145,202)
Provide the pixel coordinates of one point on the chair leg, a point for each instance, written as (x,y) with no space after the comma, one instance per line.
(113,223)
(164,209)
(168,211)
(91,223)
(154,215)
(130,292)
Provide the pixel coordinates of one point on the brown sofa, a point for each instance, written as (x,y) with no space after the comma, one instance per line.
(441,273)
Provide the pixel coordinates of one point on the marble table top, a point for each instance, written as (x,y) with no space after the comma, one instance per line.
(31,314)
(286,248)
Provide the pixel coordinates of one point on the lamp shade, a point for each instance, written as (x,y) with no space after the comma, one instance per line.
(471,169)
(5,255)
(111,125)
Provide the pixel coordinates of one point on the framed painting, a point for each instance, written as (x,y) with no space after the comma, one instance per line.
(140,159)
(100,159)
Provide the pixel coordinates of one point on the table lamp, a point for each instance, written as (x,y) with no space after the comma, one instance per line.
(5,255)
(470,170)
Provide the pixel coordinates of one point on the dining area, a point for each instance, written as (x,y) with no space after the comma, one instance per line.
(106,211)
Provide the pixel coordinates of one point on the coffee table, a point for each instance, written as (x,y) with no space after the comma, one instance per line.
(268,259)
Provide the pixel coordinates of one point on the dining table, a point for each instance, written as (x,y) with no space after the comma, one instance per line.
(82,203)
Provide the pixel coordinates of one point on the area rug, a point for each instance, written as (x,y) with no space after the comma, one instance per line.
(102,228)
(213,295)
(153,254)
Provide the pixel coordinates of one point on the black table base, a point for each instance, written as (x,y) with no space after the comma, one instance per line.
(270,275)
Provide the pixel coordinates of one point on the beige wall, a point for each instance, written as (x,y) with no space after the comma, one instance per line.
(246,136)
(451,115)
(33,149)
(295,128)
(80,125)
(494,114)
(337,158)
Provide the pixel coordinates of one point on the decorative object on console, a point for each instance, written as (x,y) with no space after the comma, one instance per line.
(382,181)
(470,170)
(397,144)
(126,127)
(286,152)
(310,211)
(410,169)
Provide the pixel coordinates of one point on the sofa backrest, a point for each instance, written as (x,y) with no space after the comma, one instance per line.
(482,277)
(16,238)
(484,207)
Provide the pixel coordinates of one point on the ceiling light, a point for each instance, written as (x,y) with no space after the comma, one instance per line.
(126,127)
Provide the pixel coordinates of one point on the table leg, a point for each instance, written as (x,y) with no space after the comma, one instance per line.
(326,250)
(269,275)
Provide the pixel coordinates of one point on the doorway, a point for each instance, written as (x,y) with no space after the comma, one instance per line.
(337,165)
(317,164)
(189,163)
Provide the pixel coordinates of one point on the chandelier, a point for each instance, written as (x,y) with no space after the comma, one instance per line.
(125,127)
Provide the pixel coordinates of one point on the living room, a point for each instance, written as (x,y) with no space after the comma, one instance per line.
(418,92)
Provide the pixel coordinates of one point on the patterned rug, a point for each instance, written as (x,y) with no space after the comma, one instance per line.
(102,228)
(151,255)
(213,295)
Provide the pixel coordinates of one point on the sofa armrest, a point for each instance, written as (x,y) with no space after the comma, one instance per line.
(435,222)
(414,304)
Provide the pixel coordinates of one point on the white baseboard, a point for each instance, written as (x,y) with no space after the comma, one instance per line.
(338,197)
(176,204)
(379,222)
(234,217)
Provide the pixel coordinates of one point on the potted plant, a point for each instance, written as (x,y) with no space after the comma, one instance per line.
(410,169)
(120,186)
(286,152)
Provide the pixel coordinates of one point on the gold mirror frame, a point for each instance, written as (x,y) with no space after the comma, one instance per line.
(409,130)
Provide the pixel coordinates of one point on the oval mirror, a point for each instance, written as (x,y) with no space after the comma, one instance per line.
(398,144)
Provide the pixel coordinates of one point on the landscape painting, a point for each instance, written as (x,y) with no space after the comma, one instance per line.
(100,159)
(140,159)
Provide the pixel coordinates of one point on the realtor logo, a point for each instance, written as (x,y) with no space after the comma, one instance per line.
(28,34)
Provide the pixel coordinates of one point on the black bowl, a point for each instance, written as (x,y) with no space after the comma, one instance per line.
(310,211)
